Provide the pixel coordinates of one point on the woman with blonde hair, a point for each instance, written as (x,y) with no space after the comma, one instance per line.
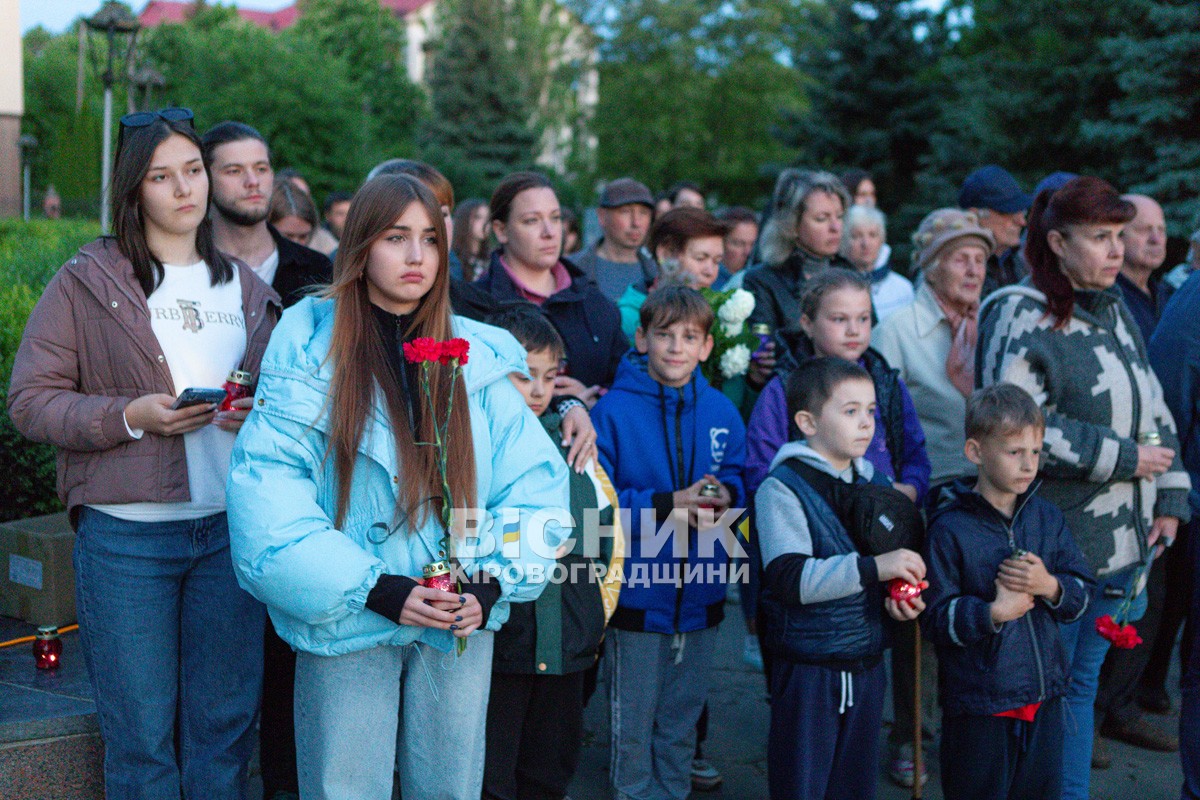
(801,238)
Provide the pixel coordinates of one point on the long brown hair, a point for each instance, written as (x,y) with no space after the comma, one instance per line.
(361,366)
(1086,200)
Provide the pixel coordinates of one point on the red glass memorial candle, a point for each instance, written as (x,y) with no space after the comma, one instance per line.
(47,648)
(437,576)
(240,384)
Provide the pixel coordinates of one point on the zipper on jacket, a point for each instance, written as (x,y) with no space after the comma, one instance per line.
(1012,544)
(684,477)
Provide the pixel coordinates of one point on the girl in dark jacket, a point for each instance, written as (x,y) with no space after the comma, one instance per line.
(172,644)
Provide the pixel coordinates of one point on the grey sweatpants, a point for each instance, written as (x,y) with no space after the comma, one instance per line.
(657,686)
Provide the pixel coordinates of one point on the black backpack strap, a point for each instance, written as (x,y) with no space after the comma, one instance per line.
(794,472)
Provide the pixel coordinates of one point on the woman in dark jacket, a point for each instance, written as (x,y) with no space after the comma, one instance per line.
(527,221)
(802,238)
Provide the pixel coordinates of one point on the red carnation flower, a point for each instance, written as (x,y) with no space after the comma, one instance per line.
(455,350)
(1122,636)
(423,349)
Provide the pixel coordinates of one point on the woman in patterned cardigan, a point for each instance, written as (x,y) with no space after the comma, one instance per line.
(1110,447)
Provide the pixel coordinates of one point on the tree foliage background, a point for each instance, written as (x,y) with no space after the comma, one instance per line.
(723,92)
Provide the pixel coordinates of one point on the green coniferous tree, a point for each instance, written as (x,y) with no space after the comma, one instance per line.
(1016,88)
(872,105)
(480,127)
(1154,121)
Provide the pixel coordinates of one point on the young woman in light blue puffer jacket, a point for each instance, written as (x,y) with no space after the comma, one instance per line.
(334,510)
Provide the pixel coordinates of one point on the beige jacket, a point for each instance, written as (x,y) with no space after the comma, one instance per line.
(916,341)
(88,350)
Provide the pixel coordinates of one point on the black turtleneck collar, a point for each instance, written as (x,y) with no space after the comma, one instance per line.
(394,325)
(393,329)
(804,264)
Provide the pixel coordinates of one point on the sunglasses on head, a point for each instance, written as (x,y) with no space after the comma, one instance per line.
(140,119)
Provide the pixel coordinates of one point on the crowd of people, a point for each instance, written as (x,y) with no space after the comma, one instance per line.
(991,450)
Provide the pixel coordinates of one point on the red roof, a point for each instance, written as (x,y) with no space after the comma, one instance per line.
(158,12)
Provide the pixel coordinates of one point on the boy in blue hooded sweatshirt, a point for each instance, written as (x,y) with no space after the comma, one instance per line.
(674,447)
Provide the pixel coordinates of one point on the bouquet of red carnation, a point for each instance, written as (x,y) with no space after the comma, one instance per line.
(1122,634)
(431,354)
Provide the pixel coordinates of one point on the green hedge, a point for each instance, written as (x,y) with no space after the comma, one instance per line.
(29,254)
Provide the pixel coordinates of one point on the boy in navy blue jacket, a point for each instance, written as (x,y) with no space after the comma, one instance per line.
(822,606)
(674,448)
(1004,574)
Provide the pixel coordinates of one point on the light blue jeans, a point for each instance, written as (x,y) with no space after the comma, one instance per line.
(168,636)
(1086,650)
(412,709)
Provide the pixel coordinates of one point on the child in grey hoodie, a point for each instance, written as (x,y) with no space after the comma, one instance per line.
(823,600)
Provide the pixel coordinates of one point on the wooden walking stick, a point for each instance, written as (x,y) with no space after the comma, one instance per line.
(917,759)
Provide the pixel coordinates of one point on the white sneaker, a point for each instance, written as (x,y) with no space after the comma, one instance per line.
(752,653)
(705,777)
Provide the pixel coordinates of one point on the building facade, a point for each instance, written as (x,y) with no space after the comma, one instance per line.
(12,107)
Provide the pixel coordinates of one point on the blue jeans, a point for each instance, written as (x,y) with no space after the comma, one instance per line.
(1086,650)
(1189,711)
(412,709)
(174,649)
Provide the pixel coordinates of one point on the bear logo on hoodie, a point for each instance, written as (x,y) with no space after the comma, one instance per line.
(717,438)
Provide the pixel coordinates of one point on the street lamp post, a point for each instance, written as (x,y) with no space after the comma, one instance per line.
(27,144)
(112,19)
(144,82)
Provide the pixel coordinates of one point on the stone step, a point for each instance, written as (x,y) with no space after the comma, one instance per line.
(52,759)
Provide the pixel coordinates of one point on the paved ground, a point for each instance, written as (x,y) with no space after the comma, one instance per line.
(738,735)
(737,738)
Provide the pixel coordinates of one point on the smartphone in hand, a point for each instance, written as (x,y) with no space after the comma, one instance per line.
(196,396)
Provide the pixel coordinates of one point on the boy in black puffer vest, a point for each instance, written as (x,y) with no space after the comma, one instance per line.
(1004,574)
(823,601)
(535,709)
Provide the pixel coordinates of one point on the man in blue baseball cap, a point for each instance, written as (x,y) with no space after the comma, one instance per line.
(999,202)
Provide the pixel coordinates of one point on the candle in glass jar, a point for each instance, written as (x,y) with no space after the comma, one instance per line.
(238,385)
(437,576)
(47,648)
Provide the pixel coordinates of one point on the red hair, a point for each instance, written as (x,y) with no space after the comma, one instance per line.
(1086,200)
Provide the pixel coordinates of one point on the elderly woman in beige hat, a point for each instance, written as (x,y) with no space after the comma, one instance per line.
(932,343)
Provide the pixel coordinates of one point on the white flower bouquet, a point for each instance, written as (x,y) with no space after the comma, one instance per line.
(733,343)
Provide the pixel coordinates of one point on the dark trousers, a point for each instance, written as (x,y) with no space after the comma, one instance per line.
(1189,710)
(534,733)
(277,720)
(998,758)
(1174,613)
(1122,671)
(824,735)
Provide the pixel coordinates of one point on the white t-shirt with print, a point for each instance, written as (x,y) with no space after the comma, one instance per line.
(202,332)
